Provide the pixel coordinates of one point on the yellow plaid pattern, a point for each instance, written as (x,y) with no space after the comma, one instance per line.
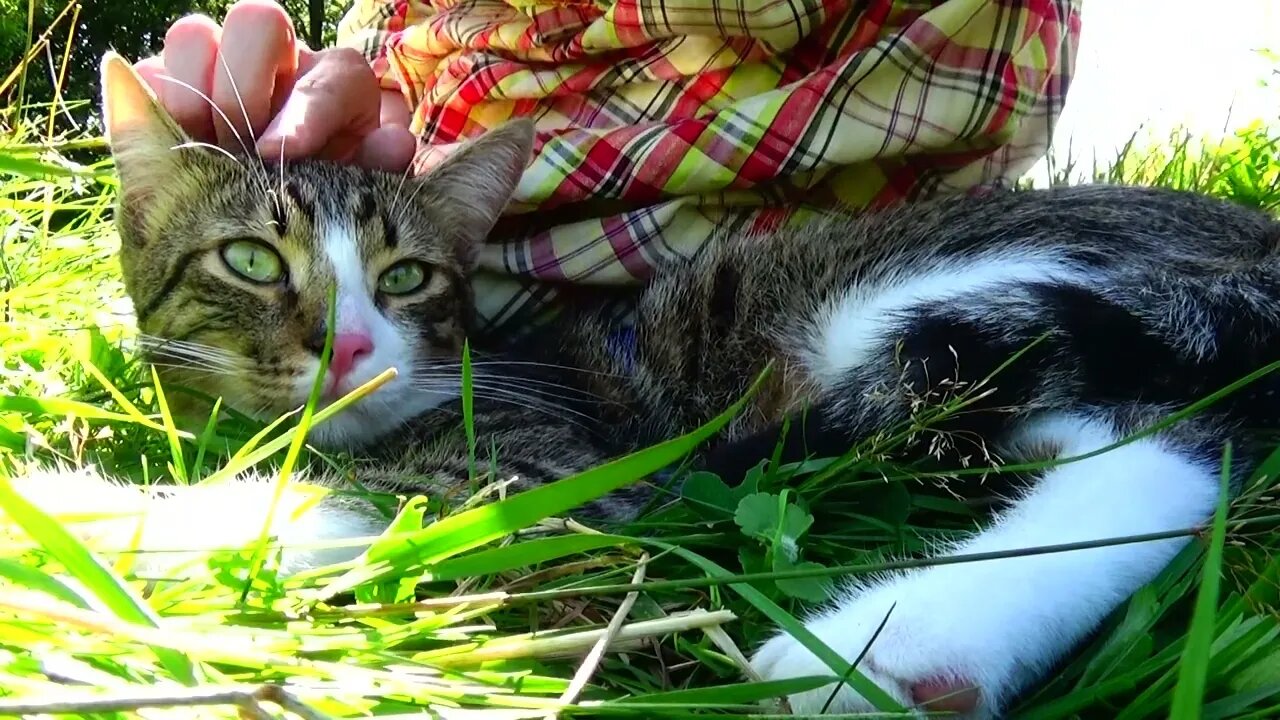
(662,120)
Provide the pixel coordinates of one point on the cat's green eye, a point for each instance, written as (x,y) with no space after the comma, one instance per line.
(253,261)
(402,278)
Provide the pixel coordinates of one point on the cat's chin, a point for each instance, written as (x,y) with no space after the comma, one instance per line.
(373,418)
(351,430)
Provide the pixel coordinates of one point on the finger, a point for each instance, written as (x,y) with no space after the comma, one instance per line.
(341,148)
(390,147)
(288,73)
(338,96)
(395,109)
(190,46)
(257,37)
(150,70)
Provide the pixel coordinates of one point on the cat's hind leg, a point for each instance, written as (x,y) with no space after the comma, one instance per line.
(979,632)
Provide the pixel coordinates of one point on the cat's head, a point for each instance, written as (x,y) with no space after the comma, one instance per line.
(229,262)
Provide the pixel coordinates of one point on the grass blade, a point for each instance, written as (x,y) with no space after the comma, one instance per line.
(736,694)
(468,411)
(786,621)
(170,430)
(1188,695)
(295,444)
(36,579)
(207,436)
(524,554)
(243,461)
(473,528)
(70,408)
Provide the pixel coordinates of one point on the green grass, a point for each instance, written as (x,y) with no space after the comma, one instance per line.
(478,611)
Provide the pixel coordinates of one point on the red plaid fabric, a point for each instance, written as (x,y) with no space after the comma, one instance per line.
(662,122)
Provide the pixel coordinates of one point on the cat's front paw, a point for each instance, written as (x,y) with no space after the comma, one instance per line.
(927,657)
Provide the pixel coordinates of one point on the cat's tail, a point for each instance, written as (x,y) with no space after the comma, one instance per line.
(166,526)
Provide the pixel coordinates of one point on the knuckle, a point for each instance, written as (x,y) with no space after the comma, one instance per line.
(348,59)
(344,72)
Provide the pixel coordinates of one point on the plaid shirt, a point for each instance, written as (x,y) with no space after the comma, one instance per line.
(662,123)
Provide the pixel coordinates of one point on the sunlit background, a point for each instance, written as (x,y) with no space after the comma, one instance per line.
(1206,65)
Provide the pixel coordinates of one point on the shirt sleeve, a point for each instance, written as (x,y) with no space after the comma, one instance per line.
(376,28)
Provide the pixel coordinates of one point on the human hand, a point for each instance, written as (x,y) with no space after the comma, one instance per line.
(274,92)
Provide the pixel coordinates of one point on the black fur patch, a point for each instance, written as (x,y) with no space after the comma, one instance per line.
(390,235)
(366,206)
(171,283)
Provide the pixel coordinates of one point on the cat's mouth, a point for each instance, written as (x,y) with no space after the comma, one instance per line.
(373,413)
(267,394)
(334,390)
(335,387)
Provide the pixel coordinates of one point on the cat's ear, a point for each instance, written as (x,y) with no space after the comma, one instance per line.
(141,134)
(474,184)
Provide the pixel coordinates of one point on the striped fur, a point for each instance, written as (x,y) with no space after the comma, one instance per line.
(1132,302)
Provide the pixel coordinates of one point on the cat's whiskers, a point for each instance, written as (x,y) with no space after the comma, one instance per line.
(160,341)
(396,208)
(184,353)
(212,105)
(195,366)
(523,390)
(409,203)
(527,363)
(517,382)
(192,367)
(511,394)
(280,185)
(260,177)
(244,113)
(526,402)
(543,389)
(208,146)
(534,403)
(202,355)
(377,401)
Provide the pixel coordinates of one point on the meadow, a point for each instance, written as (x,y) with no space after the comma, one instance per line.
(505,609)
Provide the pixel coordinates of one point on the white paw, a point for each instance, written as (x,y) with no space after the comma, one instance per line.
(981,632)
(933,654)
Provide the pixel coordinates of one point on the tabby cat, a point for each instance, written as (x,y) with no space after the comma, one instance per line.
(1125,303)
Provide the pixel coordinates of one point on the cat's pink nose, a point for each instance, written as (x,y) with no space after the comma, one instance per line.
(348,348)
